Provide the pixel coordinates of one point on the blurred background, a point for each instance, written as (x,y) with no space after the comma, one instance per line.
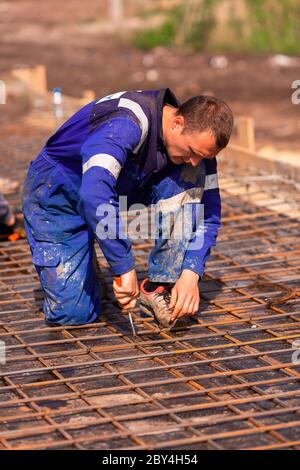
(243,51)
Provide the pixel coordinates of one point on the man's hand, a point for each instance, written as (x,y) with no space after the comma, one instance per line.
(185,297)
(127,293)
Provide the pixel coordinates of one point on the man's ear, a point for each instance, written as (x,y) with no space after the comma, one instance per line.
(178,122)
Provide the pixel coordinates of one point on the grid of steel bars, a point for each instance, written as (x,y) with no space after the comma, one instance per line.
(228,380)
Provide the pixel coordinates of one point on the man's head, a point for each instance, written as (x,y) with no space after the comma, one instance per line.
(198,129)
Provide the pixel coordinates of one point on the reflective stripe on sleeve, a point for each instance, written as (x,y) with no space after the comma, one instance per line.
(103,160)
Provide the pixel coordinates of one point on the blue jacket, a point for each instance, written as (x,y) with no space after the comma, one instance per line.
(112,147)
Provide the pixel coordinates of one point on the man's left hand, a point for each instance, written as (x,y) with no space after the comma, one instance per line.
(185,296)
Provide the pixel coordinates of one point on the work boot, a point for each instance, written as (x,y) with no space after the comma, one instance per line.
(155,299)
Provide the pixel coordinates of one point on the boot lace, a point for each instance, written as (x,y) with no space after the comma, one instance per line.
(164,296)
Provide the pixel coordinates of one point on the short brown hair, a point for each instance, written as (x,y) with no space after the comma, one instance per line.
(202,113)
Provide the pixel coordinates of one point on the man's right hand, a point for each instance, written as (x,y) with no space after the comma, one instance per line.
(127,293)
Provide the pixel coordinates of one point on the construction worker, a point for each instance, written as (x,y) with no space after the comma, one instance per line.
(144,145)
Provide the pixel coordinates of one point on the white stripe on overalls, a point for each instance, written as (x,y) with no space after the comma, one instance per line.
(103,160)
(211,181)
(193,195)
(185,197)
(138,111)
(115,96)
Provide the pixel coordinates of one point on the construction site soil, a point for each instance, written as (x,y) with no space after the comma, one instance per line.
(81,50)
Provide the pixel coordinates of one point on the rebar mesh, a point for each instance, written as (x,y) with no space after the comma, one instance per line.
(225,380)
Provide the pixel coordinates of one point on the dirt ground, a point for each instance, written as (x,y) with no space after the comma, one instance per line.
(81,50)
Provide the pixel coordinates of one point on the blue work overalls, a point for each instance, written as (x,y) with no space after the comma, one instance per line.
(111,147)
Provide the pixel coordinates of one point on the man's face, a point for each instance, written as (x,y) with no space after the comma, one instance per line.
(189,148)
